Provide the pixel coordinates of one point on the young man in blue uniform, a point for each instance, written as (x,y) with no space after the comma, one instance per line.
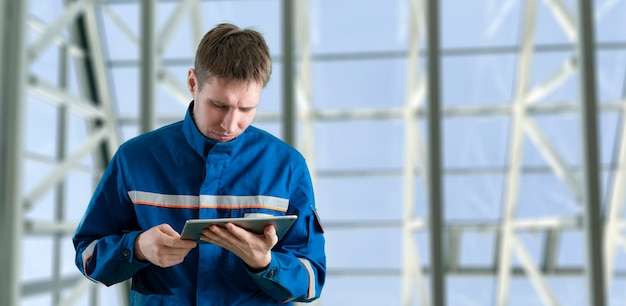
(213,164)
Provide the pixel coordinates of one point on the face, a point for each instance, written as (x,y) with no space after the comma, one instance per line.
(222,109)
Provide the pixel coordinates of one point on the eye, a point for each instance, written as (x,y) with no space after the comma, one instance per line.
(219,105)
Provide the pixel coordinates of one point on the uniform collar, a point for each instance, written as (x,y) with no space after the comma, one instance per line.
(198,141)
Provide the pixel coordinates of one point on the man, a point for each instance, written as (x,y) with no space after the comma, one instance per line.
(213,164)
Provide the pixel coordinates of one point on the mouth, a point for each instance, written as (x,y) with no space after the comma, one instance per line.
(223,137)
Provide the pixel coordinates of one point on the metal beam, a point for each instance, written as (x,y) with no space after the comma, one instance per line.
(590,157)
(12,98)
(304,99)
(536,279)
(435,199)
(52,31)
(564,17)
(518,114)
(288,94)
(94,78)
(148,60)
(413,280)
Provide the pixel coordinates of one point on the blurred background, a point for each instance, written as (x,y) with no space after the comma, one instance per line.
(463,152)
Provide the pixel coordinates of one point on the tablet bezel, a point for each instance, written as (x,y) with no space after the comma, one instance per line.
(193,227)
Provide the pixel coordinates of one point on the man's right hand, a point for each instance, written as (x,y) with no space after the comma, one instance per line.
(162,246)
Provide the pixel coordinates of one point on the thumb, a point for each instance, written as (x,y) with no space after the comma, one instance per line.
(270,233)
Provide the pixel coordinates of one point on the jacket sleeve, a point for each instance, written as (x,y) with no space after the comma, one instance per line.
(105,238)
(297,270)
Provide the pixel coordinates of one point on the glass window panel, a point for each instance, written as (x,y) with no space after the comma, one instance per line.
(79,187)
(571,249)
(85,298)
(129,131)
(263,16)
(119,45)
(522,292)
(477,249)
(422,241)
(125,82)
(77,134)
(47,11)
(38,300)
(473,197)
(479,23)
(272,95)
(475,142)
(477,79)
(169,105)
(361,290)
(610,129)
(619,263)
(469,290)
(610,22)
(545,195)
(571,290)
(379,83)
(610,74)
(353,248)
(274,128)
(67,265)
(44,207)
(168,102)
(41,267)
(181,43)
(359,145)
(109,295)
(373,25)
(33,173)
(48,58)
(547,28)
(360,198)
(617,294)
(244,14)
(41,119)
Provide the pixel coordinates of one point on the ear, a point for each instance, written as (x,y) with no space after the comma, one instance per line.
(192,81)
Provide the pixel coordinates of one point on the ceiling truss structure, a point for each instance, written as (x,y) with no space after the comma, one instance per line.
(94,105)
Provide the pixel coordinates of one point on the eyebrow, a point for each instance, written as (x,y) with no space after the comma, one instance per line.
(218,102)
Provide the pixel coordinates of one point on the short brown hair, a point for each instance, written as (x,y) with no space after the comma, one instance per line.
(232,53)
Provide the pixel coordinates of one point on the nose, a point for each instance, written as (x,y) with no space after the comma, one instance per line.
(229,122)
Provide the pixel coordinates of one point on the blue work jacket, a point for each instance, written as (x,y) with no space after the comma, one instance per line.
(174,174)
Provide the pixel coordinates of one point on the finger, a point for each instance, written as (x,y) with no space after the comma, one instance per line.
(171,238)
(168,230)
(212,234)
(237,231)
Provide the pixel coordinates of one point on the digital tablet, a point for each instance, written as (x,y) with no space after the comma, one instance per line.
(193,227)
